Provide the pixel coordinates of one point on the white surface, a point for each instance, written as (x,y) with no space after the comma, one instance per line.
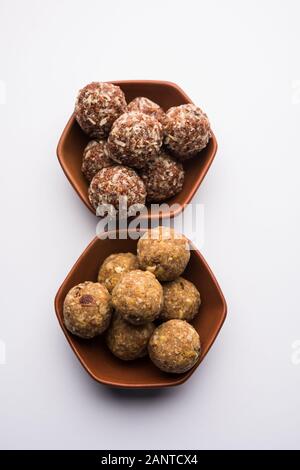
(240,62)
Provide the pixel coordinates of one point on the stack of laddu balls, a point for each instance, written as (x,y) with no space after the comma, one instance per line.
(142,303)
(137,149)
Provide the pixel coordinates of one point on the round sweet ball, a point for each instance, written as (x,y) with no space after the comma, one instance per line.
(127,341)
(87,309)
(163,252)
(97,106)
(174,346)
(163,178)
(138,297)
(135,138)
(95,157)
(187,131)
(146,106)
(114,182)
(114,266)
(181,300)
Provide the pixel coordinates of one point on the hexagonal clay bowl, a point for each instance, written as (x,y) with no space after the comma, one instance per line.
(94,355)
(166,94)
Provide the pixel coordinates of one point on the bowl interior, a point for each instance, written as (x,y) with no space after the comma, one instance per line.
(74,140)
(95,356)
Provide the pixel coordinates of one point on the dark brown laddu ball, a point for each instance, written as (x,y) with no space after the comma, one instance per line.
(110,183)
(135,138)
(146,106)
(187,131)
(97,106)
(95,157)
(163,178)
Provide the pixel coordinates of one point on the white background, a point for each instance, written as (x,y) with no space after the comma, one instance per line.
(240,62)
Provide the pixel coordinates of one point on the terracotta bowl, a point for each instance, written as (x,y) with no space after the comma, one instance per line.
(94,354)
(73,141)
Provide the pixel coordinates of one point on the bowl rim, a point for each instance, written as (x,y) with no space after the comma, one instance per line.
(193,189)
(178,379)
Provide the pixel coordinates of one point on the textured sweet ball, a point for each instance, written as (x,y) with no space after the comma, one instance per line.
(135,138)
(174,346)
(87,309)
(181,300)
(187,131)
(97,106)
(95,157)
(127,341)
(138,297)
(146,106)
(114,182)
(163,178)
(114,266)
(163,252)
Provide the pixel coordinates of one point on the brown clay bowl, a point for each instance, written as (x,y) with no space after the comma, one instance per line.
(166,94)
(94,354)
